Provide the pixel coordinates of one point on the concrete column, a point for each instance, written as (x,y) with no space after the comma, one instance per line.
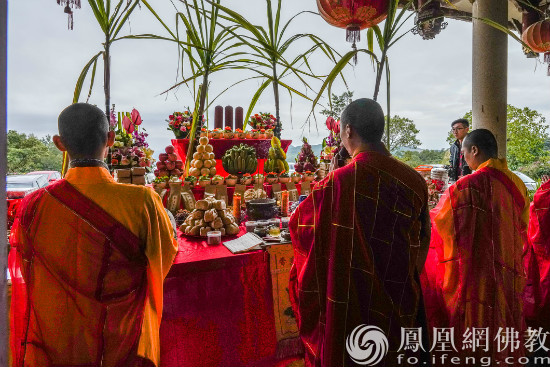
(3,168)
(489,70)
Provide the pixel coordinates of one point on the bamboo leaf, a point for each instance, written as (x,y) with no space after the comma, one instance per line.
(82,77)
(254,100)
(92,81)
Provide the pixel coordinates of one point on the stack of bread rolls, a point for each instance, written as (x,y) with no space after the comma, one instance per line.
(210,215)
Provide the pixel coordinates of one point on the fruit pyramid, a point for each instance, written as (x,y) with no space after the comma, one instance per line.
(276,161)
(240,159)
(306,160)
(204,162)
(168,164)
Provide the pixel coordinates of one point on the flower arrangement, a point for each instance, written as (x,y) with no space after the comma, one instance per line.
(263,121)
(180,123)
(130,148)
(331,144)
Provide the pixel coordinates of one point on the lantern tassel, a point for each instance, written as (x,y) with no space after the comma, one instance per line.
(547,61)
(353,35)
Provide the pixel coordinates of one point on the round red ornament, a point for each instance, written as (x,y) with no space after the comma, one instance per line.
(537,36)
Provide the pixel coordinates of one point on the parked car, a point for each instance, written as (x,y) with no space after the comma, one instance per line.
(528,181)
(19,186)
(51,175)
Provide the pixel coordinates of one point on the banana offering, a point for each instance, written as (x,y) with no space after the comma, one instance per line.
(240,159)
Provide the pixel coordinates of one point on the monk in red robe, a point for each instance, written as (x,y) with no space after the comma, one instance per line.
(537,261)
(481,224)
(88,260)
(359,240)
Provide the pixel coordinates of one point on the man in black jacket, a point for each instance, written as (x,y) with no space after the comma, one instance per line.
(458,165)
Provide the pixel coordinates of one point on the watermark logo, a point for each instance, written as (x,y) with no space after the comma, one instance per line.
(367,345)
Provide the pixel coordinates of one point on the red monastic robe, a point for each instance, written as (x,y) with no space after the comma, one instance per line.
(537,261)
(81,280)
(357,240)
(474,275)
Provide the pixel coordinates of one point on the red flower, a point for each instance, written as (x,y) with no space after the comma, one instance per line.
(330,123)
(262,130)
(136,117)
(171,117)
(228,128)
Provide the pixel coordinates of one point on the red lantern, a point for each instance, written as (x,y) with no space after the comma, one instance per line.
(537,36)
(353,15)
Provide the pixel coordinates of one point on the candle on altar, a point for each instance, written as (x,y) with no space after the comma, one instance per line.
(284,203)
(218,117)
(239,116)
(237,207)
(229,116)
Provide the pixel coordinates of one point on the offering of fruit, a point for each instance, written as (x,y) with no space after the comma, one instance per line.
(269,134)
(210,215)
(168,164)
(231,180)
(262,133)
(204,181)
(276,161)
(240,159)
(204,132)
(203,163)
(228,133)
(296,177)
(246,179)
(192,180)
(284,177)
(272,178)
(308,176)
(216,133)
(240,134)
(217,180)
(306,160)
(255,134)
(259,178)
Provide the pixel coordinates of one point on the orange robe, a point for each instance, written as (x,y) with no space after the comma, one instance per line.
(537,261)
(92,255)
(481,225)
(357,241)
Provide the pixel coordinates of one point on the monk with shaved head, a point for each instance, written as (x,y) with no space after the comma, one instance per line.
(88,259)
(360,239)
(481,227)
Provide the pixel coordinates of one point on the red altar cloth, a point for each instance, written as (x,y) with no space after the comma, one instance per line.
(222,145)
(218,309)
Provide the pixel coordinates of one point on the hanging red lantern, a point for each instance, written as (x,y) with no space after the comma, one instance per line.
(353,15)
(537,36)
(69,4)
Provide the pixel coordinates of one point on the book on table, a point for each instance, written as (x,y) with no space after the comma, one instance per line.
(247,242)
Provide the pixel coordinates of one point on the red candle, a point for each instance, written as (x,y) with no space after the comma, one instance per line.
(218,117)
(229,116)
(237,207)
(239,115)
(284,203)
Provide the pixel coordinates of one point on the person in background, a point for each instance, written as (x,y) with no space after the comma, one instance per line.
(360,240)
(88,260)
(480,235)
(537,261)
(458,165)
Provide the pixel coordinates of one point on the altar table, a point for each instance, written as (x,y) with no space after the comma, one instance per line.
(218,309)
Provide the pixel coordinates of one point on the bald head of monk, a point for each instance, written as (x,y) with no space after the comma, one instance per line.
(362,127)
(479,146)
(83,132)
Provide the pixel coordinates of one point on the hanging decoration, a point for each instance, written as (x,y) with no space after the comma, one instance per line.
(353,15)
(537,36)
(69,5)
(429,20)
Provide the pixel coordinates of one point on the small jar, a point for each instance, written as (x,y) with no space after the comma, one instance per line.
(250,225)
(260,231)
(274,231)
(214,237)
(284,221)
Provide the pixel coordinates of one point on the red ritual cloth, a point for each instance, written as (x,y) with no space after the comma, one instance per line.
(66,309)
(481,234)
(537,261)
(218,308)
(222,145)
(356,241)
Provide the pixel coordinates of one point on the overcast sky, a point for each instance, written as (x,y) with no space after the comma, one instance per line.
(431,80)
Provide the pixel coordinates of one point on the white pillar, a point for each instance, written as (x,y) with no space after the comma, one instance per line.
(489,70)
(3,169)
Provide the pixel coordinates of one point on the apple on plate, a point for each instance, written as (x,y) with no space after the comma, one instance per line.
(179,164)
(172,157)
(170,165)
(169,149)
(163,157)
(161,165)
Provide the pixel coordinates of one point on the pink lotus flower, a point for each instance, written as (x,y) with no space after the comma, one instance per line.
(330,123)
(336,128)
